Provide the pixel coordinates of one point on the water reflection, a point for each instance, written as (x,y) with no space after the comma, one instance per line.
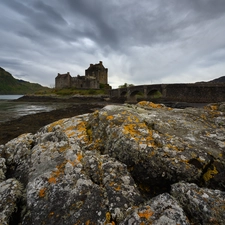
(9,97)
(11,110)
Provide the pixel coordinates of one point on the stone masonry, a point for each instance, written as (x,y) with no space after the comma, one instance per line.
(95,75)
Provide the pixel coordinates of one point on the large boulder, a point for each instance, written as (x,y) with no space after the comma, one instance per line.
(161,145)
(122,164)
(204,206)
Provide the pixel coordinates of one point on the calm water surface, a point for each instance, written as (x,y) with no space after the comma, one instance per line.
(11,110)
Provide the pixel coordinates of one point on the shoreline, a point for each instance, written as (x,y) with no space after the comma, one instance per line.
(69,99)
(105,99)
(33,122)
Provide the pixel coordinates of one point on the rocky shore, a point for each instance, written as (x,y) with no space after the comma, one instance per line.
(122,164)
(32,123)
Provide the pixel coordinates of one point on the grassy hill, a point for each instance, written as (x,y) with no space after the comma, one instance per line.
(218,80)
(10,85)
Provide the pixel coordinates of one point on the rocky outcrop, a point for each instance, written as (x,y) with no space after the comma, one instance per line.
(123,164)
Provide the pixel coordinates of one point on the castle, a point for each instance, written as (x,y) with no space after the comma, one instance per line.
(94,76)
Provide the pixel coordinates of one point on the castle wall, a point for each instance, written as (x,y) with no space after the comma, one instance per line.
(63,81)
(94,76)
(98,71)
(83,83)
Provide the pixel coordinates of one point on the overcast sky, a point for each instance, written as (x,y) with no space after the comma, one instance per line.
(139,41)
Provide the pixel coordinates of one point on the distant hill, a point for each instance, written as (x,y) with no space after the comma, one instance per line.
(9,85)
(218,80)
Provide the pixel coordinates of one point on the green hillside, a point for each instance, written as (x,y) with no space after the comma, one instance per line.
(9,85)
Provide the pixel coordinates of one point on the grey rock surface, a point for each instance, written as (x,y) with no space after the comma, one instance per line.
(205,206)
(162,209)
(121,165)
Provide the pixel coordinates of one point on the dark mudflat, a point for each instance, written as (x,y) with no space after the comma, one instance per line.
(32,123)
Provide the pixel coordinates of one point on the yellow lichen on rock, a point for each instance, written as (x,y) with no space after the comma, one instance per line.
(89,133)
(146,213)
(57,172)
(64,148)
(42,192)
(51,214)
(107,218)
(110,117)
(70,131)
(210,174)
(79,156)
(117,188)
(150,104)
(80,131)
(139,132)
(213,107)
(52,125)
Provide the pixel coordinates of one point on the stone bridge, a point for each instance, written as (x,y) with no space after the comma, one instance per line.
(193,92)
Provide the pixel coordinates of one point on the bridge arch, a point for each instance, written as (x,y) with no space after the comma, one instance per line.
(154,93)
(139,93)
(123,93)
(135,95)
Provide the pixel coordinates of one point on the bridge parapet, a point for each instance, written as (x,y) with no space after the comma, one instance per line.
(186,92)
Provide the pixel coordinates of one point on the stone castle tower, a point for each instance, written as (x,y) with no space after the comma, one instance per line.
(95,75)
(99,72)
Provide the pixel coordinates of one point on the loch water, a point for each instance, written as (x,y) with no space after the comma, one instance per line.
(10,109)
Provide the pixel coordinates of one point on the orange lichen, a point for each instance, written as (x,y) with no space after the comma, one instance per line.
(211,107)
(109,117)
(111,183)
(52,180)
(81,126)
(203,116)
(51,126)
(150,104)
(107,218)
(210,174)
(117,188)
(146,213)
(70,131)
(51,214)
(63,148)
(140,133)
(79,157)
(170,146)
(70,134)
(42,192)
(55,174)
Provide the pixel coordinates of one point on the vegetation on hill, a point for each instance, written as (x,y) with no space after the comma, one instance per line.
(104,90)
(74,91)
(10,85)
(218,80)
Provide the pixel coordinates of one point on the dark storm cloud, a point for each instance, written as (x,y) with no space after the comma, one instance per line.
(139,41)
(91,18)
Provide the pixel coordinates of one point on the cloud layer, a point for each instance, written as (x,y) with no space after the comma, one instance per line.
(140,42)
